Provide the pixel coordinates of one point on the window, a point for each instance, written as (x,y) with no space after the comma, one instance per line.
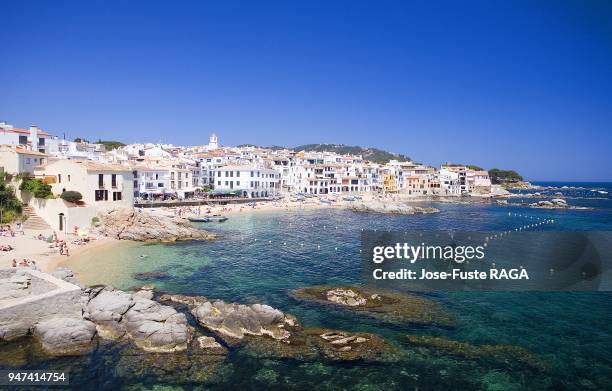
(219,183)
(237,173)
(59,178)
(251,174)
(237,183)
(218,173)
(28,160)
(172,175)
(114,180)
(68,174)
(101,195)
(100,180)
(23,140)
(116,196)
(41,141)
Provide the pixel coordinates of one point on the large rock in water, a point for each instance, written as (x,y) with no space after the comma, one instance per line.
(143,226)
(391,207)
(157,328)
(234,321)
(65,336)
(152,326)
(391,306)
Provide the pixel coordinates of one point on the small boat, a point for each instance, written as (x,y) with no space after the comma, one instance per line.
(349,198)
(198,219)
(324,201)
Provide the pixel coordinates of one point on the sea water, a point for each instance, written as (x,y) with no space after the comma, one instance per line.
(260,257)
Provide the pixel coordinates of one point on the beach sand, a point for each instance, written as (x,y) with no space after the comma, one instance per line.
(47,259)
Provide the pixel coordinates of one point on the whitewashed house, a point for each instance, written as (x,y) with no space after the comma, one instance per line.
(15,160)
(246,181)
(103,187)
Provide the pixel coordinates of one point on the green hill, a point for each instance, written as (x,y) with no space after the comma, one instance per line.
(372,154)
(504,176)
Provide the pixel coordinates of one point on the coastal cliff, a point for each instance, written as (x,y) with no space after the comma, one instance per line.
(143,226)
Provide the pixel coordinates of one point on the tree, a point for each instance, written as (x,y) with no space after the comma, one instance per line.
(504,176)
(9,204)
(36,187)
(71,196)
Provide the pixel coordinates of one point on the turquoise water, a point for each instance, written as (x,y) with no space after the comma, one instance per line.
(260,257)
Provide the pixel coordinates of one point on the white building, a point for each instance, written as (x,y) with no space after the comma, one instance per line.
(34,138)
(15,160)
(74,150)
(102,186)
(247,181)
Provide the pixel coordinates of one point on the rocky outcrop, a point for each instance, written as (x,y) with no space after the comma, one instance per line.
(170,343)
(555,203)
(65,336)
(391,306)
(315,344)
(345,297)
(233,321)
(143,226)
(376,206)
(263,331)
(189,301)
(151,326)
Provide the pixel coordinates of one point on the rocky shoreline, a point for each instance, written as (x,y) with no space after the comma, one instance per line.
(143,226)
(391,207)
(104,313)
(193,339)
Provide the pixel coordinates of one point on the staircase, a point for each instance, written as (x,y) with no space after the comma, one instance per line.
(34,221)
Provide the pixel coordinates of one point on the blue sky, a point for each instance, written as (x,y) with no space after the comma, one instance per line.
(510,84)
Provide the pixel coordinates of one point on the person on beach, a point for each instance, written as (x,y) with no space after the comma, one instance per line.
(66,250)
(14,262)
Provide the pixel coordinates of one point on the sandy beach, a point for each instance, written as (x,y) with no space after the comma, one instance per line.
(47,258)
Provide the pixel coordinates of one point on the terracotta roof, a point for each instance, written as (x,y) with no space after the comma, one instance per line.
(96,166)
(24,131)
(22,151)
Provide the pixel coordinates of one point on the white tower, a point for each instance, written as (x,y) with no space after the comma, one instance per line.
(213,142)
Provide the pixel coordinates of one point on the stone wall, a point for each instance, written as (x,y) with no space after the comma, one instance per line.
(44,297)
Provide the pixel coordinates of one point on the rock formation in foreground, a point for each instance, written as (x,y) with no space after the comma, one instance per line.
(393,207)
(143,226)
(66,319)
(262,331)
(390,306)
(91,315)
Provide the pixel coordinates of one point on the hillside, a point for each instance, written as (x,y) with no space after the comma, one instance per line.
(372,154)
